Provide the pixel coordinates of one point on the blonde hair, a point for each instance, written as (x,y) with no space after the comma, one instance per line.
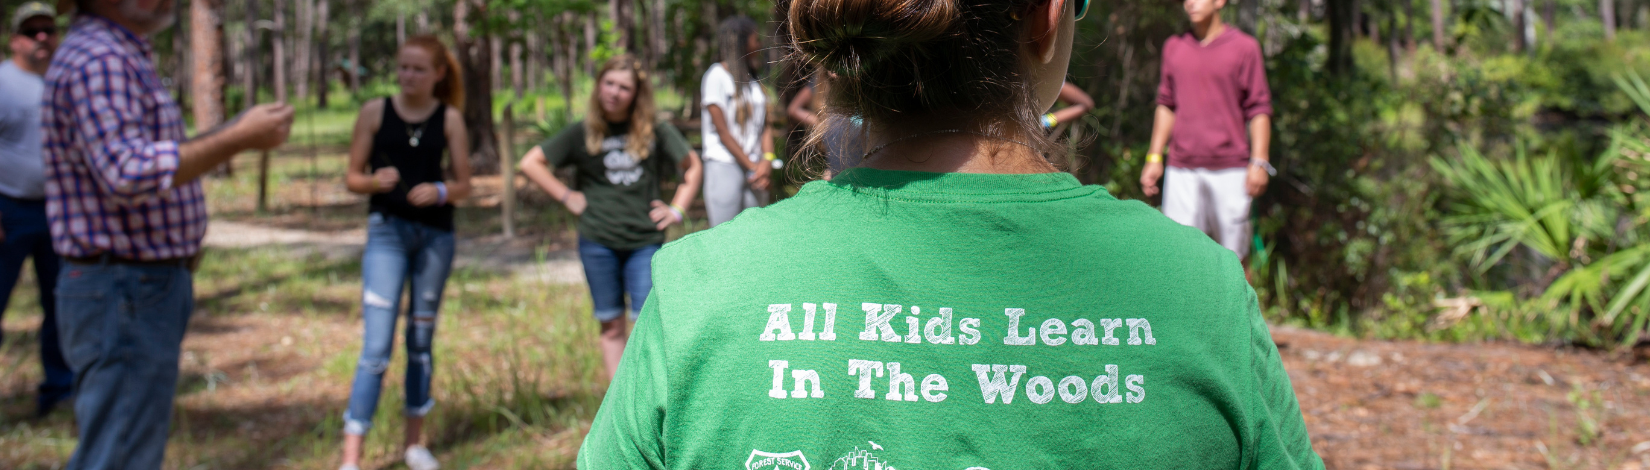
(449,90)
(641,110)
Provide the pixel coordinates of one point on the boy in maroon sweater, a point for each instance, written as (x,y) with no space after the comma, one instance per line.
(1213,83)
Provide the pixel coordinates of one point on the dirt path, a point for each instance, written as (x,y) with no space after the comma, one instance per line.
(494,253)
(1410,405)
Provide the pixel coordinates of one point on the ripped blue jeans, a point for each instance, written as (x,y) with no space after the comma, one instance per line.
(398,252)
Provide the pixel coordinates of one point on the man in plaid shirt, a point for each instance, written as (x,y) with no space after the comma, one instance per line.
(127,213)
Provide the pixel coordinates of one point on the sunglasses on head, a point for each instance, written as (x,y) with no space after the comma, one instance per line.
(1082,8)
(48,30)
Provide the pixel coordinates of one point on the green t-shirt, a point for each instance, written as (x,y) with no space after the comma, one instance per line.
(949,322)
(619,188)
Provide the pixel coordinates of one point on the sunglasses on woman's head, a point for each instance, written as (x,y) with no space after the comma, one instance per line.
(1082,8)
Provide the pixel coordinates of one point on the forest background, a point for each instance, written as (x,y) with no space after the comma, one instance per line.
(1449,168)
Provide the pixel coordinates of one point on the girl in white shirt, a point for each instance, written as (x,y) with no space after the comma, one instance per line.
(738,143)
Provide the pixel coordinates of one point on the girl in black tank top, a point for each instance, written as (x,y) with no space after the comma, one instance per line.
(415,150)
(410,241)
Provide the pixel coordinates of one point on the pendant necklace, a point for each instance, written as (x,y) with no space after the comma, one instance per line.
(414,134)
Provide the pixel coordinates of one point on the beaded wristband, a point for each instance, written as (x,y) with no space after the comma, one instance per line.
(441,191)
(1050,120)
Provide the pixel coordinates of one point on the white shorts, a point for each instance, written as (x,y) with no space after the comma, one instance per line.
(1214,201)
(727,193)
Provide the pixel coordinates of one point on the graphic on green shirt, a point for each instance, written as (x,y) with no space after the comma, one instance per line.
(618,187)
(895,320)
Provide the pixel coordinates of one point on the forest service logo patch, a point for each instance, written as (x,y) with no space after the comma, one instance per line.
(793,460)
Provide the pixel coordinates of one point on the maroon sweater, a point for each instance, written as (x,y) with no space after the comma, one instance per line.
(1214,90)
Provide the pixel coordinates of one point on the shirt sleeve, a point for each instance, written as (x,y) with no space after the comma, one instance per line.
(1280,439)
(628,431)
(108,113)
(558,150)
(1165,79)
(1257,96)
(671,142)
(717,89)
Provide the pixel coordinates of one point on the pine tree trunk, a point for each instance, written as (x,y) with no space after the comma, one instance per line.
(206,47)
(566,65)
(1341,23)
(323,61)
(474,57)
(495,47)
(301,50)
(249,54)
(517,70)
(1409,26)
(624,23)
(589,43)
(1520,42)
(1438,25)
(1607,16)
(355,67)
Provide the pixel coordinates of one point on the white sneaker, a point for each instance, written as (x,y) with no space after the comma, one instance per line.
(420,458)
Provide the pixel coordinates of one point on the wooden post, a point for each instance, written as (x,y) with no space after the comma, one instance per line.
(507,171)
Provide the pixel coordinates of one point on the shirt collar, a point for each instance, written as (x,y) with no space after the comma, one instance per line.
(120,34)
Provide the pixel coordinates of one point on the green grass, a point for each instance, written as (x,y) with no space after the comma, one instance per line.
(517,378)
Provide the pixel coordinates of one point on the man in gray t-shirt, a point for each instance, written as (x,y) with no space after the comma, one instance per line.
(23,227)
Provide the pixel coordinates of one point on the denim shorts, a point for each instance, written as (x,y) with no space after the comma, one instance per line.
(612,273)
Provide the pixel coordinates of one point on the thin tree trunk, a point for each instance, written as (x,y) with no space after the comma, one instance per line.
(495,47)
(589,43)
(302,50)
(565,63)
(184,72)
(355,67)
(323,61)
(517,70)
(624,23)
(1438,25)
(1607,16)
(1305,13)
(661,41)
(205,45)
(1341,25)
(249,79)
(207,80)
(277,43)
(475,58)
(535,55)
(400,28)
(423,21)
(1549,14)
(1520,42)
(1392,44)
(1409,26)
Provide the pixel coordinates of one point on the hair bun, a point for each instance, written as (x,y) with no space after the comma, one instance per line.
(846,36)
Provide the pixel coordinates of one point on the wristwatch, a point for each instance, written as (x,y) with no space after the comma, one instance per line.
(1266,165)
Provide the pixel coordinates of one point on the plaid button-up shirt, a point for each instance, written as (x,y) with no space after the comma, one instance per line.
(111,135)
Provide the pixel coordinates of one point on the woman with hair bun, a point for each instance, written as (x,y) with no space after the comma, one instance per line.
(396,157)
(955,302)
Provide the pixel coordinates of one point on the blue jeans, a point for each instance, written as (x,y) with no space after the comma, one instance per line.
(122,330)
(27,234)
(611,273)
(398,252)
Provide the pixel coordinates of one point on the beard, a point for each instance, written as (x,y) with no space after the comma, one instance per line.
(154,20)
